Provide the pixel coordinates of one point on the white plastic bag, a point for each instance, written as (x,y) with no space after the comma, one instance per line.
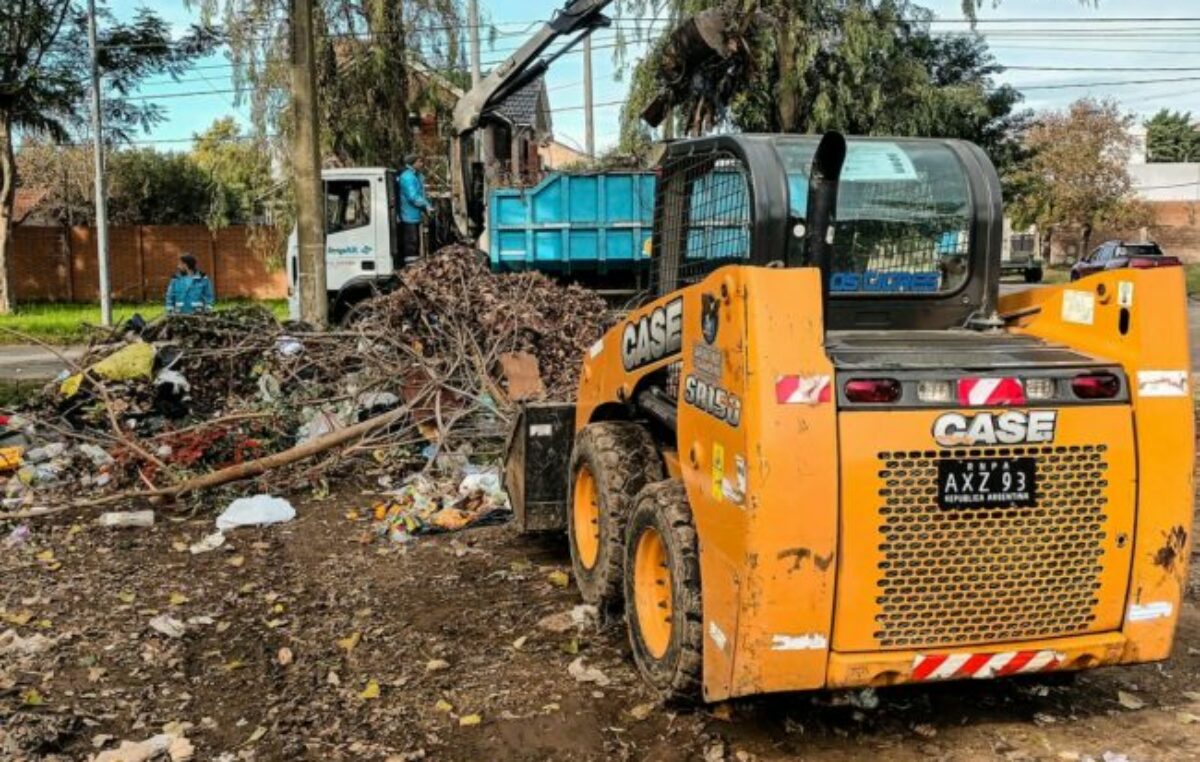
(258,510)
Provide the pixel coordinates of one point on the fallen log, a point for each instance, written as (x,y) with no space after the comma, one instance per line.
(238,472)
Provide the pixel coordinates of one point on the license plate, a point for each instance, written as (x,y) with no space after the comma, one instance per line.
(987,483)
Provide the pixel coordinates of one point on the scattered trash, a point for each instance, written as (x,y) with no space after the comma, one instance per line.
(45,453)
(469,719)
(866,698)
(371,691)
(641,711)
(1112,756)
(521,375)
(580,617)
(287,346)
(285,656)
(126,519)
(585,674)
(436,665)
(715,752)
(132,361)
(258,510)
(18,536)
(168,625)
(177,748)
(559,578)
(13,643)
(424,505)
(211,542)
(98,455)
(1130,701)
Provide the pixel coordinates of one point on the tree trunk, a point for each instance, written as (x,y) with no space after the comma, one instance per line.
(8,182)
(785,59)
(1087,241)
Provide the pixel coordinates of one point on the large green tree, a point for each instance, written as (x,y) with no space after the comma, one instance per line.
(44,61)
(237,169)
(860,66)
(363,52)
(1172,136)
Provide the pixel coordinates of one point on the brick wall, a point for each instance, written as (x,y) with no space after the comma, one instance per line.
(59,264)
(1176,228)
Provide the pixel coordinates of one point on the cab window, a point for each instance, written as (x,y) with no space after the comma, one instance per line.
(347,205)
(903,222)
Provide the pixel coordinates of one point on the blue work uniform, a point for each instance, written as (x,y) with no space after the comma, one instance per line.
(189,293)
(412,196)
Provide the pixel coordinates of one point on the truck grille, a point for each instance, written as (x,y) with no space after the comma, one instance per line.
(986,575)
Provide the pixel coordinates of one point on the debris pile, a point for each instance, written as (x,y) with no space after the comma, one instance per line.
(424,506)
(424,377)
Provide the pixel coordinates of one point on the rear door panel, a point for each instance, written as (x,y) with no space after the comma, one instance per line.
(913,575)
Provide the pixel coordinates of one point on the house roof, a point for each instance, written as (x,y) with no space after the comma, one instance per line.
(522,107)
(25,200)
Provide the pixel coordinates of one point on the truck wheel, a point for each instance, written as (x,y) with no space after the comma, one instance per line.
(1033,275)
(662,592)
(610,464)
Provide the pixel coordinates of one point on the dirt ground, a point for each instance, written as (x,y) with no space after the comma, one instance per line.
(433,650)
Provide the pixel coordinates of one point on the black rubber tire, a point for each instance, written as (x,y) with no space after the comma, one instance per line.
(1033,275)
(623,458)
(677,674)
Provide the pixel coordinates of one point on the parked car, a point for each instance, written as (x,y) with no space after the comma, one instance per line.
(1113,255)
(1021,260)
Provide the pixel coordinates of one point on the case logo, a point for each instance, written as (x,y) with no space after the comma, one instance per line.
(1010,427)
(653,337)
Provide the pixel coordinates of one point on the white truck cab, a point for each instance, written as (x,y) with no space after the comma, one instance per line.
(362,241)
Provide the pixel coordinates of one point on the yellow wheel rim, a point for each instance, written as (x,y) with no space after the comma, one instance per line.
(586,518)
(652,592)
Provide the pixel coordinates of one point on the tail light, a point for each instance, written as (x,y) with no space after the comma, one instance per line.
(872,390)
(1140,264)
(1096,386)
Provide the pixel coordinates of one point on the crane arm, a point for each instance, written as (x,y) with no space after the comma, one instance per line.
(578,17)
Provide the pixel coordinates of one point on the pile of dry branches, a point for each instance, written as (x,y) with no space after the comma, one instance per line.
(415,377)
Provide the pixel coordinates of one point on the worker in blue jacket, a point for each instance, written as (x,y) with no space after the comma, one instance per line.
(190,290)
(413,204)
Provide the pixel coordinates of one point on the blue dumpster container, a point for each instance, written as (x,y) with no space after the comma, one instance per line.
(573,223)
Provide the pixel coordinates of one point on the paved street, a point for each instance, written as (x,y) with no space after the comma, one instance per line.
(33,363)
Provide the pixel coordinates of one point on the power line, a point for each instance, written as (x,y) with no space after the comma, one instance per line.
(1065,85)
(1100,68)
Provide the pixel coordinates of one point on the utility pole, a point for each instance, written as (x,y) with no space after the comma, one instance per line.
(310,220)
(101,197)
(589,125)
(484,141)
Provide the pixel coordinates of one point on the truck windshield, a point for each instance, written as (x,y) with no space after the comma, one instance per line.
(903,215)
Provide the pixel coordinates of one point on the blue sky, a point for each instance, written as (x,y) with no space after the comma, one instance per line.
(1085,43)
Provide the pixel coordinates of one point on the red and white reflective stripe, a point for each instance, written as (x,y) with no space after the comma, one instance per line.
(982,666)
(802,390)
(990,391)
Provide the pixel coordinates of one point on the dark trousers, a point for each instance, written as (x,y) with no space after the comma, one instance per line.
(410,241)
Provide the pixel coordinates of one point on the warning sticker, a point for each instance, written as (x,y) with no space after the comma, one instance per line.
(1125,294)
(1079,307)
(718,471)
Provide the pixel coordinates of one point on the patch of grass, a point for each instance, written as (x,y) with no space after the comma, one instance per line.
(1192,273)
(67,323)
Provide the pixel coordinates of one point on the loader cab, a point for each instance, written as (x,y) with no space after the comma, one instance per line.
(908,230)
(362,240)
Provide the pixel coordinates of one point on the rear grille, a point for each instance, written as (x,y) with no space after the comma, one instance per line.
(987,575)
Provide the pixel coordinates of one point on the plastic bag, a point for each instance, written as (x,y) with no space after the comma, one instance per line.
(258,510)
